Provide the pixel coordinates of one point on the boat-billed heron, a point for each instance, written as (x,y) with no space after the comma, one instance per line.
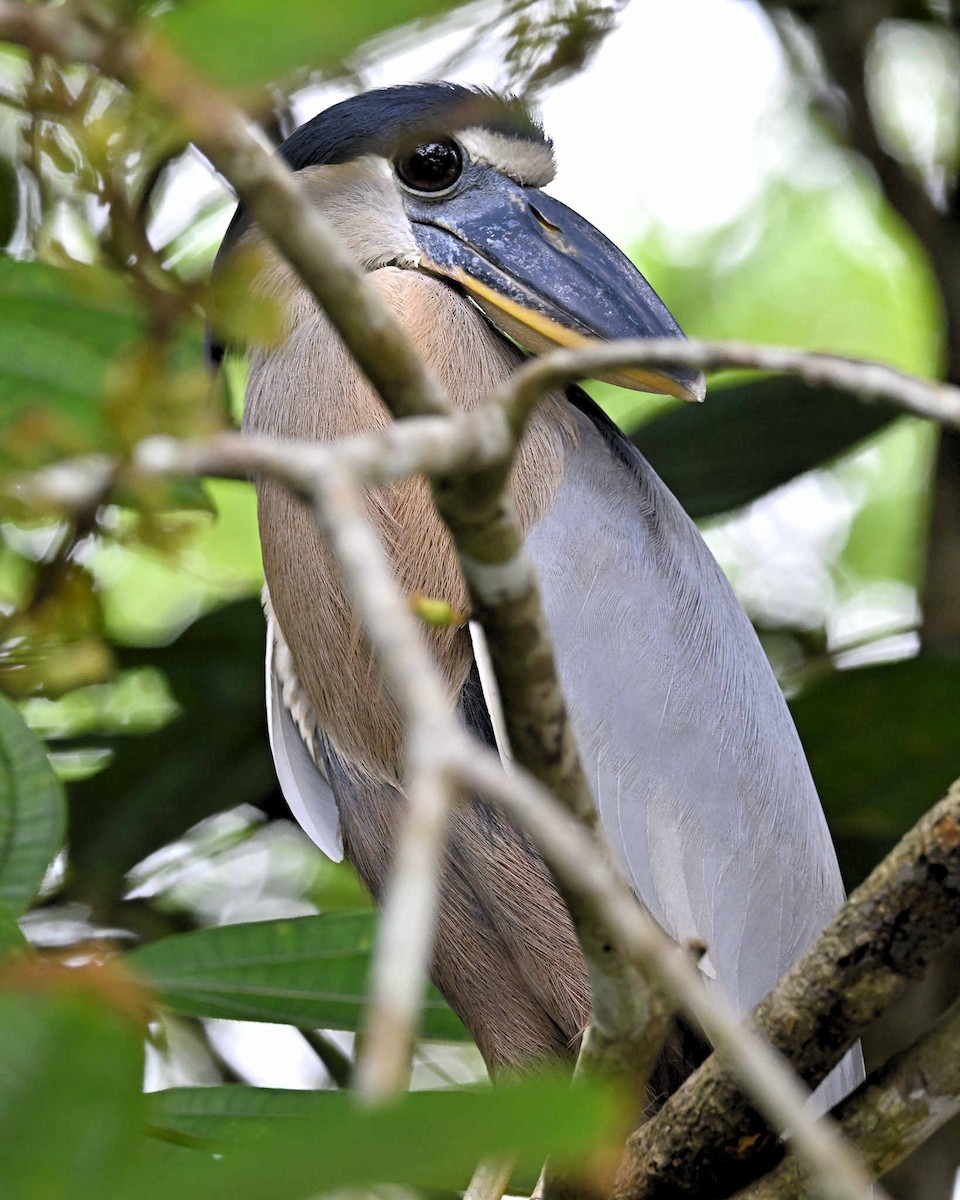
(699,776)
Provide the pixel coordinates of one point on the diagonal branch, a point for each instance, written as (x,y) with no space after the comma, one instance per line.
(867,380)
(587,881)
(895,1110)
(406,927)
(707,1136)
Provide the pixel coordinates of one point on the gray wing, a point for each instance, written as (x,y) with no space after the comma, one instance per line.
(700,778)
(305,786)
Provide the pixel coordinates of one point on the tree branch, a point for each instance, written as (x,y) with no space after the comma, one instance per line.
(405,932)
(585,877)
(867,380)
(707,1136)
(893,1112)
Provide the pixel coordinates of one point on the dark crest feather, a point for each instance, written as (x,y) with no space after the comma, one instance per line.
(381,121)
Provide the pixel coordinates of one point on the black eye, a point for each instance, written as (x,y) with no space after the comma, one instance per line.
(430,167)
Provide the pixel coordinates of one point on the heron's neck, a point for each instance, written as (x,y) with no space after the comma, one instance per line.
(310,389)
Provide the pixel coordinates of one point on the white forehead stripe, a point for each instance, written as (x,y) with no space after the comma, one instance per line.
(529,163)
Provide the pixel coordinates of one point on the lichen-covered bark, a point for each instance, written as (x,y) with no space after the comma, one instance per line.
(707,1140)
(892,1113)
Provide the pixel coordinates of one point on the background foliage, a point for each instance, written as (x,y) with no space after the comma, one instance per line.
(131,639)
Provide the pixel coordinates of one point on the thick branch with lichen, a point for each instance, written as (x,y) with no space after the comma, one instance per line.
(893,1111)
(707,1135)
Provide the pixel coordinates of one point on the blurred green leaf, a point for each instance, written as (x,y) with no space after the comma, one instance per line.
(58,336)
(883,743)
(32,811)
(220,1112)
(752,437)
(71,1111)
(246,42)
(211,757)
(60,332)
(309,971)
(829,268)
(318,1142)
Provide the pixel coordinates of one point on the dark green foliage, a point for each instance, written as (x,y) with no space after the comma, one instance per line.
(71,1111)
(883,742)
(323,1140)
(213,755)
(752,437)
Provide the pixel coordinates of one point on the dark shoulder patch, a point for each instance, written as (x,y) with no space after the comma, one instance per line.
(473,709)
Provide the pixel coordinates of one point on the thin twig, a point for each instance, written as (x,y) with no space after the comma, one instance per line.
(339,1066)
(868,380)
(407,917)
(490,1180)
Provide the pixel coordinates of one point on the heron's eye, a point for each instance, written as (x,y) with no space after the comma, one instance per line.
(430,167)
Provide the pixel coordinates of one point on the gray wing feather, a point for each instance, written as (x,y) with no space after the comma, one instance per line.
(304,785)
(701,782)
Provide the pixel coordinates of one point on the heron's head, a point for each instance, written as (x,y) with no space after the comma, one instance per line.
(447,180)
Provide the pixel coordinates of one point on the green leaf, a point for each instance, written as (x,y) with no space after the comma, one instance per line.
(296,1144)
(883,744)
(220,1112)
(32,811)
(309,971)
(749,438)
(71,1111)
(238,42)
(59,331)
